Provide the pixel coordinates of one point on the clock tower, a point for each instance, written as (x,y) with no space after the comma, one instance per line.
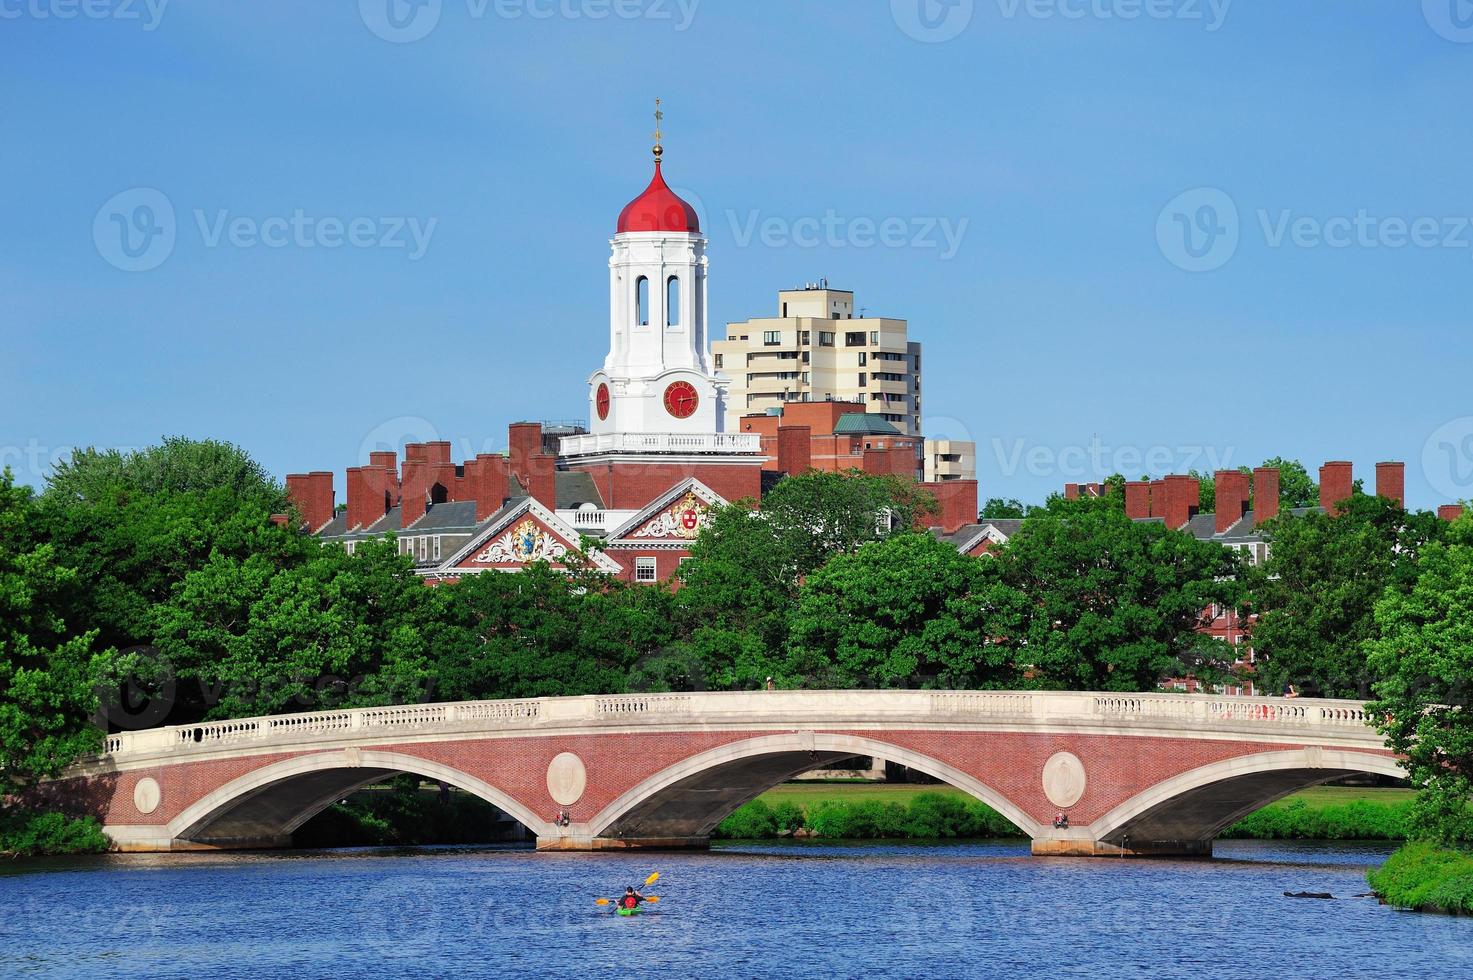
(657,377)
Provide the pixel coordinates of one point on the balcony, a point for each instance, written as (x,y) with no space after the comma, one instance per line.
(661,442)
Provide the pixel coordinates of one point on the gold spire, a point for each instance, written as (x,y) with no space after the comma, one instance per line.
(659,118)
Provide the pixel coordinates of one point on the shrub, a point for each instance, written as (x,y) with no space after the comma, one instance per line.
(1296,820)
(754,821)
(27,833)
(929,816)
(1424,876)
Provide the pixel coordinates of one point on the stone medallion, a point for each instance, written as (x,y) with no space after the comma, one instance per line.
(1063,779)
(566,779)
(146,795)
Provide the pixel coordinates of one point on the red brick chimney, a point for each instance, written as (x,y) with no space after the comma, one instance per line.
(541,480)
(1137,500)
(437,452)
(1265,494)
(1071,491)
(1232,498)
(525,440)
(1391,482)
(794,449)
(956,504)
(1158,498)
(491,484)
(313,497)
(368,495)
(414,488)
(1337,482)
(1450,512)
(1183,499)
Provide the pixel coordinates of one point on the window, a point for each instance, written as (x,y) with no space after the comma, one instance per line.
(642,301)
(771,338)
(874,336)
(863,358)
(806,357)
(803,337)
(719,365)
(805,377)
(825,338)
(854,338)
(424,549)
(683,560)
(350,546)
(862,380)
(437,547)
(672,302)
(644,570)
(785,311)
(787,355)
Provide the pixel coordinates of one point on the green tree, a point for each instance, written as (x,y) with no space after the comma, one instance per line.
(902,612)
(176,465)
(1296,487)
(1316,595)
(48,671)
(1423,659)
(747,566)
(998,508)
(543,633)
(134,525)
(250,636)
(1088,599)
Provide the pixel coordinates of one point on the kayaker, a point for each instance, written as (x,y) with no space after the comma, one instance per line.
(631,899)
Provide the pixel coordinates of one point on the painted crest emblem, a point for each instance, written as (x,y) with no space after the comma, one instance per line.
(527,542)
(683,519)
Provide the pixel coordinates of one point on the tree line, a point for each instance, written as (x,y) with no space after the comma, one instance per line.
(151,588)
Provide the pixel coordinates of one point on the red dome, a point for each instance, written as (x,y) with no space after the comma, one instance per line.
(658,209)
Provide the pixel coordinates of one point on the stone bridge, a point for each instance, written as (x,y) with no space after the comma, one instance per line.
(1135,773)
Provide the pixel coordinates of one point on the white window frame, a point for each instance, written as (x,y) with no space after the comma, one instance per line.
(646,569)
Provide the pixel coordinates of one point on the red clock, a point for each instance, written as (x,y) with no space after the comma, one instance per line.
(681,399)
(601,401)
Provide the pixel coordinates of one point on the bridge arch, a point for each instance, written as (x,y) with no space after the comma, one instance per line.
(687,800)
(1197,805)
(269,804)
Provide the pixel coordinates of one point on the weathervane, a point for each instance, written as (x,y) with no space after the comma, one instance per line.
(659,117)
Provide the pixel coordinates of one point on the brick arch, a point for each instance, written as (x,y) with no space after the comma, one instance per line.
(688,799)
(273,801)
(1195,806)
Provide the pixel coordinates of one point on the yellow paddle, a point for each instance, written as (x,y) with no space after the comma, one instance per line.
(648,898)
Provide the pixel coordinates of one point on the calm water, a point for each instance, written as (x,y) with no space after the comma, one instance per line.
(804,911)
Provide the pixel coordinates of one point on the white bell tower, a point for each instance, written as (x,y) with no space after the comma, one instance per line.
(657,377)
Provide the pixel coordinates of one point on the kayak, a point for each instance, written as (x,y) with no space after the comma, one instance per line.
(633,911)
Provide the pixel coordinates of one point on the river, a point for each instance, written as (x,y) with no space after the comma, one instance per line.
(800,910)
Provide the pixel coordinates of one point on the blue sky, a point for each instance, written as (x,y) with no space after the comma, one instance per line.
(1201,234)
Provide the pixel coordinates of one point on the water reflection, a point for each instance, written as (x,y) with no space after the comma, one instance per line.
(783,910)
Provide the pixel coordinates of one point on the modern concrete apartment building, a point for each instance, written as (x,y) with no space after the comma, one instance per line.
(817,349)
(949,459)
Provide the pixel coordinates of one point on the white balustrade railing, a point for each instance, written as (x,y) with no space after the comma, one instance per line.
(1140,714)
(660,442)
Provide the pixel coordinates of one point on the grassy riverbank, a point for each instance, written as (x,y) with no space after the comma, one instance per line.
(1427,878)
(859,810)
(25,833)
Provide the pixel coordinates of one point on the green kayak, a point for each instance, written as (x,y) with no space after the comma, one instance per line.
(633,911)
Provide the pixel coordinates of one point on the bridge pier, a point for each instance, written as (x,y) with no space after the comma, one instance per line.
(1085,847)
(623,843)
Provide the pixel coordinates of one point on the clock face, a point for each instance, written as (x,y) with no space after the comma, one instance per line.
(681,399)
(601,401)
